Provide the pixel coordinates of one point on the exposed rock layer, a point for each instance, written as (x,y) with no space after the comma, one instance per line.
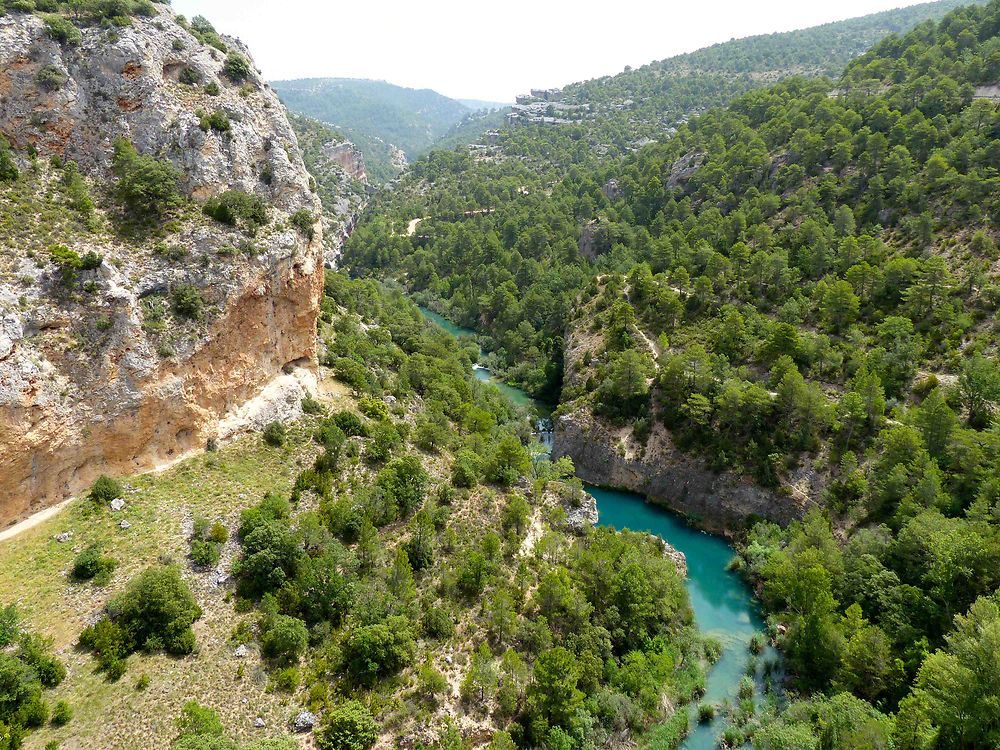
(129,403)
(720,503)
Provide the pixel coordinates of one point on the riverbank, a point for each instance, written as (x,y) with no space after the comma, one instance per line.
(723,604)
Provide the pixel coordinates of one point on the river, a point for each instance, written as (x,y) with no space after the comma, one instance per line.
(724,607)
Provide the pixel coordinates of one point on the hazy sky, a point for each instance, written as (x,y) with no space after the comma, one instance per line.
(495,49)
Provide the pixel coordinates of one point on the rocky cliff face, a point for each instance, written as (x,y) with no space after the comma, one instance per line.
(338,167)
(104,378)
(610,457)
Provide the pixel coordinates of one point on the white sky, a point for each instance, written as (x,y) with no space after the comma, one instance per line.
(495,49)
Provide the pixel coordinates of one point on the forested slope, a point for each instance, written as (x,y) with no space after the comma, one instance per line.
(806,278)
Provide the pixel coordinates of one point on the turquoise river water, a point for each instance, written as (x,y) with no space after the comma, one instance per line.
(723,605)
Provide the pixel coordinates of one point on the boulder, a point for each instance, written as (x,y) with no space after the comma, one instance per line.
(305,721)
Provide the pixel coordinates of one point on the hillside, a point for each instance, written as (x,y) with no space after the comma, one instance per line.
(380,566)
(796,292)
(375,115)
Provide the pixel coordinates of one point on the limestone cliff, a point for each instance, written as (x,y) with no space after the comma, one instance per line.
(338,168)
(717,502)
(104,377)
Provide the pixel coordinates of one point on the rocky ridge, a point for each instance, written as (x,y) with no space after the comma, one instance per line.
(87,385)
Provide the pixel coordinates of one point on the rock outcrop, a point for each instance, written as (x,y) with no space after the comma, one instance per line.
(718,502)
(88,384)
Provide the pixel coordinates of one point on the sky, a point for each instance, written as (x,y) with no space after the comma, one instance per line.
(495,49)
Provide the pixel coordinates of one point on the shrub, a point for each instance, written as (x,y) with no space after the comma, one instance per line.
(311,405)
(21,6)
(234,207)
(377,650)
(186,301)
(466,469)
(50,78)
(350,726)
(146,187)
(105,489)
(154,612)
(68,261)
(205,554)
(350,423)
(373,407)
(304,221)
(285,639)
(10,625)
(438,623)
(212,88)
(90,564)
(275,434)
(217,121)
(189,77)
(8,167)
(62,714)
(237,68)
(36,652)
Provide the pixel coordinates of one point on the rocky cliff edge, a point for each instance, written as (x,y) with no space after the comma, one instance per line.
(99,379)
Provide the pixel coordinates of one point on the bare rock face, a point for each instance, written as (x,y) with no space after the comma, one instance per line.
(720,503)
(87,386)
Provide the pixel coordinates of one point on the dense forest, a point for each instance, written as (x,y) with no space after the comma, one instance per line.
(805,277)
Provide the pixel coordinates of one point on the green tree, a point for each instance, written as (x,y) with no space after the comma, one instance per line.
(349,726)
(554,694)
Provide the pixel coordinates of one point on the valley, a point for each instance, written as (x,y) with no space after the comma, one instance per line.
(654,411)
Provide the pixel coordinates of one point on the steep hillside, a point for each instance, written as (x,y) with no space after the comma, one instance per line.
(375,115)
(340,174)
(391,564)
(799,291)
(133,321)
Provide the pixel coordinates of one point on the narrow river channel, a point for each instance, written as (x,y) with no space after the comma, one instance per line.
(723,604)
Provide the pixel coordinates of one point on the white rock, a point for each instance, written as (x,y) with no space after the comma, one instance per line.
(259,723)
(64,537)
(117,504)
(125,525)
(241,652)
(305,721)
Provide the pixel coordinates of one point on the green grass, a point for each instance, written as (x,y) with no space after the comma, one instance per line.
(34,574)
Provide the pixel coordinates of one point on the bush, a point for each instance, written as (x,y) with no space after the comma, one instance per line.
(147,187)
(154,612)
(275,434)
(62,30)
(62,714)
(373,407)
(10,625)
(350,726)
(350,423)
(217,121)
(186,301)
(374,651)
(50,78)
(285,639)
(234,207)
(8,167)
(90,564)
(311,405)
(304,221)
(189,77)
(237,68)
(105,489)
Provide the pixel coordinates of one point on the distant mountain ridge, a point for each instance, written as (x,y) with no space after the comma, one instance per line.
(376,115)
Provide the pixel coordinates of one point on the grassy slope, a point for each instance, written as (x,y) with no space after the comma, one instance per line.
(33,573)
